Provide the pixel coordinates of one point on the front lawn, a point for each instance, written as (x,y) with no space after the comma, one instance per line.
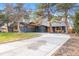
(9,37)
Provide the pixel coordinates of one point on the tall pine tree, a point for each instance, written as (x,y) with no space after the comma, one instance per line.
(76,23)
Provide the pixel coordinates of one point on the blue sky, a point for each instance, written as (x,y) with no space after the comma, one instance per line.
(27,5)
(1,6)
(32,6)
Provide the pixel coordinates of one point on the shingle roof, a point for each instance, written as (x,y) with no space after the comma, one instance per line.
(58,24)
(45,23)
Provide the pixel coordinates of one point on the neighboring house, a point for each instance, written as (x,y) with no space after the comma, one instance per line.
(4,28)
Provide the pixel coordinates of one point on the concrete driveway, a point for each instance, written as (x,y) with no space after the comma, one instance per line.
(44,45)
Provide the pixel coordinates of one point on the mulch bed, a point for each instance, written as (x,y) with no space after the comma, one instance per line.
(70,48)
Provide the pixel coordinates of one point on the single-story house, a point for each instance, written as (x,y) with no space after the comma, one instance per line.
(40,26)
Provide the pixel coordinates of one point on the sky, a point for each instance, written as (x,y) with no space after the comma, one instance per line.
(27,5)
(32,6)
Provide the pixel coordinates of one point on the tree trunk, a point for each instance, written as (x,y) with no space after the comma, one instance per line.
(7,27)
(18,27)
(66,22)
(49,21)
(50,27)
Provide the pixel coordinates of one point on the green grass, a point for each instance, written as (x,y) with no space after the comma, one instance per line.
(9,37)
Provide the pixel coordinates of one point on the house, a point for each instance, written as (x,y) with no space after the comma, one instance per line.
(59,27)
(39,25)
(42,26)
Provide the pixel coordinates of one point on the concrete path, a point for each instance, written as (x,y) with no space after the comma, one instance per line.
(47,44)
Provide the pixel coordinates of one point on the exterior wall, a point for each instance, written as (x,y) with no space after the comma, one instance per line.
(10,29)
(64,28)
(53,28)
(61,29)
(30,28)
(23,29)
(33,28)
(41,29)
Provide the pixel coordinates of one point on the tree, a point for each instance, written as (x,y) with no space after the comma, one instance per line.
(65,8)
(19,13)
(8,11)
(2,17)
(46,10)
(76,23)
(39,13)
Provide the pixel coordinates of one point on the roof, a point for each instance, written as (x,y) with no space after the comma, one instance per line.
(58,24)
(45,23)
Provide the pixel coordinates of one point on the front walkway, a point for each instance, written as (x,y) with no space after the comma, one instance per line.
(47,44)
